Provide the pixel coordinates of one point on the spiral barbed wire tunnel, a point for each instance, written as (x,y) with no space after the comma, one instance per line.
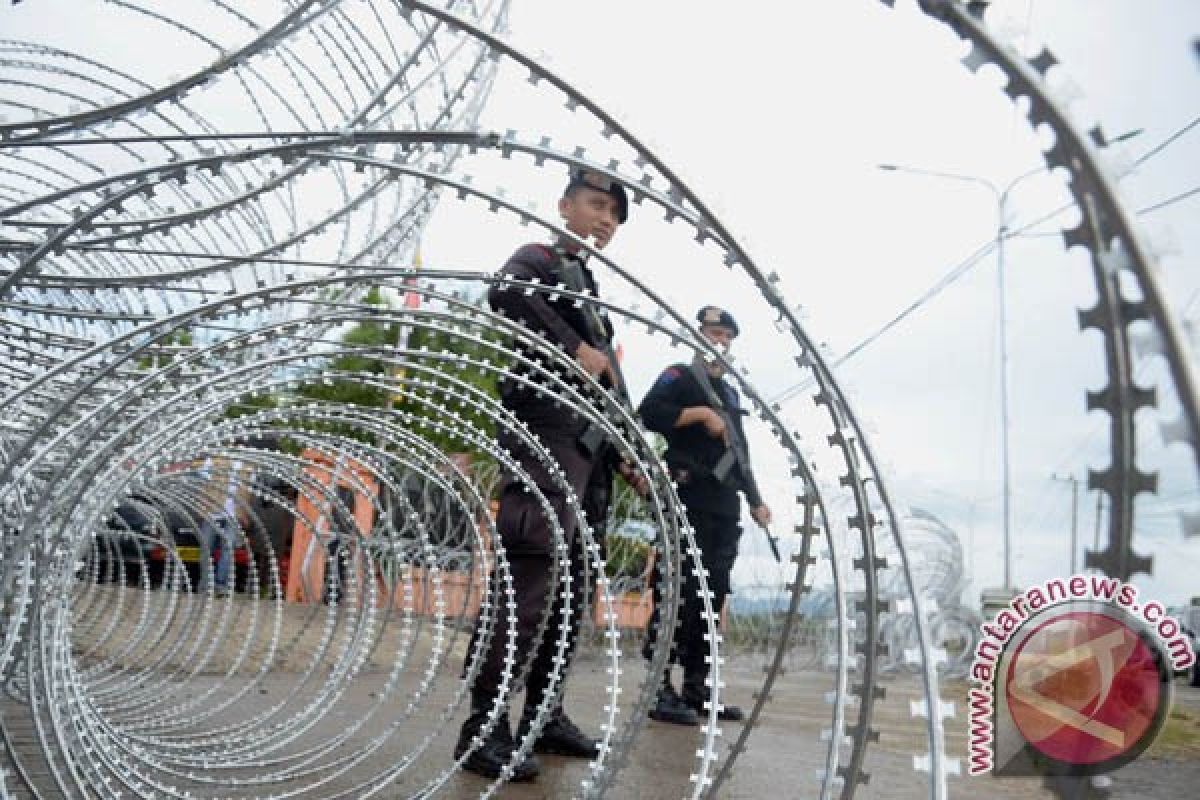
(185,260)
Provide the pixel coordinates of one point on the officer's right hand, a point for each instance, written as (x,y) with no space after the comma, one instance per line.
(715,425)
(594,362)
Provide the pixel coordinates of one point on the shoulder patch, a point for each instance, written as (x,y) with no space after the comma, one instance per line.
(669,375)
(539,253)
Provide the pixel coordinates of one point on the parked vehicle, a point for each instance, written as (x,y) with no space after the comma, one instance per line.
(146,541)
(120,550)
(184,551)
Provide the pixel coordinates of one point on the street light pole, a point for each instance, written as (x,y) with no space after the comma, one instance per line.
(1002,313)
(1071,479)
(1000,196)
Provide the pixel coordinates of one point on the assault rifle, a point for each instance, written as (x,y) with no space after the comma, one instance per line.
(569,270)
(733,467)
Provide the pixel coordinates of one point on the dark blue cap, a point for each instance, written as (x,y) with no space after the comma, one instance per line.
(601,183)
(711,315)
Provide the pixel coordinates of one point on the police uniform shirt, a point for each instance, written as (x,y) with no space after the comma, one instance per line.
(691,451)
(559,320)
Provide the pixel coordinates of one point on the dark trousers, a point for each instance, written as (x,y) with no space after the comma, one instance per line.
(717,537)
(532,585)
(527,536)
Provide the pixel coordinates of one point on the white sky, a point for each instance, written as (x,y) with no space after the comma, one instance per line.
(777,114)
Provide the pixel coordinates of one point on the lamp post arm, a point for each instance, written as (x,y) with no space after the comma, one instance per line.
(954,176)
(1002,195)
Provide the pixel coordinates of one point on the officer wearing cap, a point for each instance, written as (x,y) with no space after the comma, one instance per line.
(592,207)
(692,405)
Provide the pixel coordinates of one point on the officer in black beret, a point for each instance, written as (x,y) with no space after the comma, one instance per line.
(698,412)
(592,206)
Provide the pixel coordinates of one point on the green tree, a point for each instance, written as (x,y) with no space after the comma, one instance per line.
(374,337)
(251,404)
(377,339)
(437,372)
(180,338)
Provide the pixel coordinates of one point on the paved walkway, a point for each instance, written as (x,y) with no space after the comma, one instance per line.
(785,750)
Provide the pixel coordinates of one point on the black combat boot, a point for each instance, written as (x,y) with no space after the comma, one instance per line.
(560,736)
(670,708)
(696,695)
(495,752)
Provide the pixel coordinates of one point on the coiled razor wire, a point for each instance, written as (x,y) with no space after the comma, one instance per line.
(183,258)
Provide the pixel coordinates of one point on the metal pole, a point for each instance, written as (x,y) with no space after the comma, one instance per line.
(1002,301)
(1074,521)
(1074,514)
(1004,457)
(1001,198)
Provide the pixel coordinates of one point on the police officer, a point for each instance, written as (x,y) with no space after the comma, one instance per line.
(592,206)
(693,406)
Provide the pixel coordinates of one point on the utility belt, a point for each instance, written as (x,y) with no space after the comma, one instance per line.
(685,472)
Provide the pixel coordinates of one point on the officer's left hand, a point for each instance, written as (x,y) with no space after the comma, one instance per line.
(634,478)
(762,515)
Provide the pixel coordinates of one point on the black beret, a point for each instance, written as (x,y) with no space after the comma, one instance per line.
(601,183)
(711,315)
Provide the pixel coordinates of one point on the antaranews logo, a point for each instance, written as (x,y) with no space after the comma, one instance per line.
(1073,677)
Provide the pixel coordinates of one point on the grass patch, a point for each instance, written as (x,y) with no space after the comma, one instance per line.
(1180,736)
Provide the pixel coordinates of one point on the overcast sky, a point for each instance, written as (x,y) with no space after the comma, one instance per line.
(777,115)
